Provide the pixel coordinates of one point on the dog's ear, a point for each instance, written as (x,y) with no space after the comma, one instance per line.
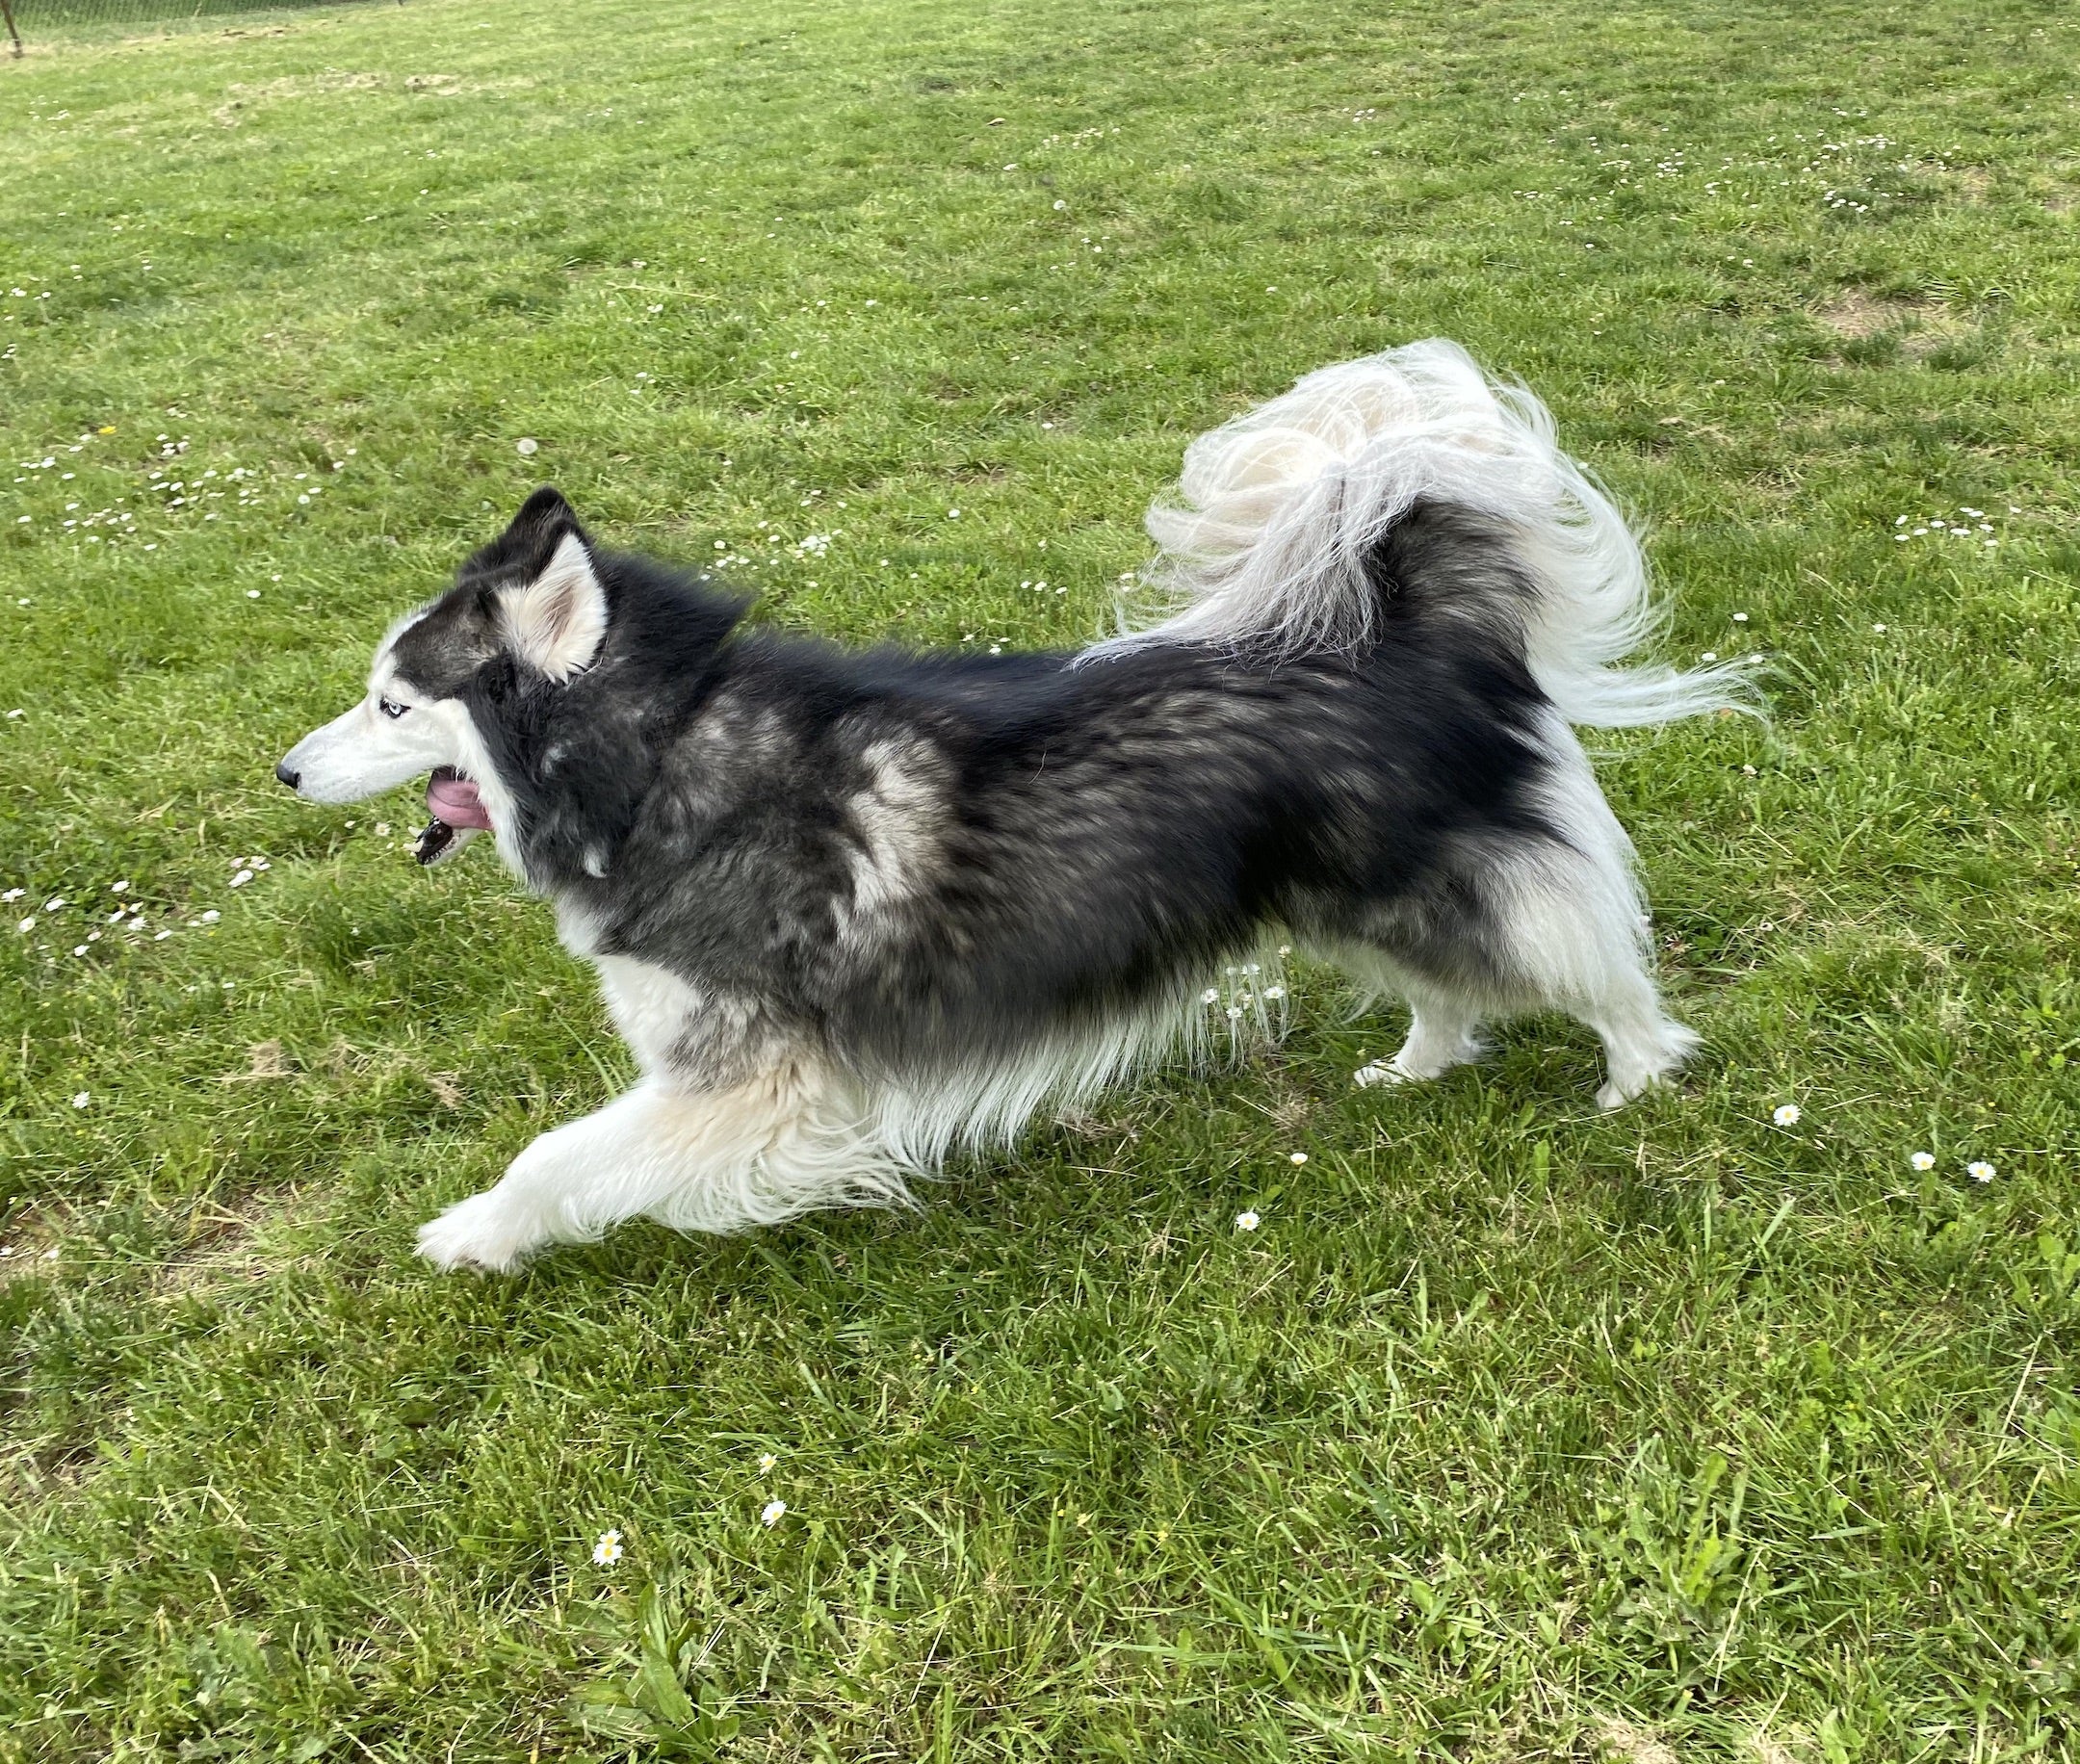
(543,519)
(556,621)
(530,540)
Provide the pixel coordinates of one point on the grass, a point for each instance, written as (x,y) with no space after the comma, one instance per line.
(1514,1432)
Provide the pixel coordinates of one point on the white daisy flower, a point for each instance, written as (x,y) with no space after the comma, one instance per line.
(1923,1161)
(766,1463)
(1980,1171)
(1786,1114)
(1298,1158)
(1246,1221)
(772,1512)
(1211,995)
(607,1550)
(81,1098)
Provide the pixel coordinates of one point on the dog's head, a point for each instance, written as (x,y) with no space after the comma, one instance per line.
(530,609)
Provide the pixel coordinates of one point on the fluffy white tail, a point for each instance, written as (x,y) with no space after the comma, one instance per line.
(1276,511)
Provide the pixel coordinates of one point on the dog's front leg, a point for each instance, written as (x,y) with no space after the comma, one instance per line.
(569,1186)
(774,1146)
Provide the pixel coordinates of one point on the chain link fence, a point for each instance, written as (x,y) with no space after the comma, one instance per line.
(33,18)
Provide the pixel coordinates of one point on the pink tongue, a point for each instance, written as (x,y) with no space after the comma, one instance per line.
(454,800)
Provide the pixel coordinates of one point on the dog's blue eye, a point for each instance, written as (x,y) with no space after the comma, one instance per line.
(388,709)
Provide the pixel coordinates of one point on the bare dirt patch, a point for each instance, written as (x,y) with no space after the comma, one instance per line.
(1920,327)
(264,1060)
(1633,1745)
(29,1245)
(1856,314)
(242,99)
(230,1244)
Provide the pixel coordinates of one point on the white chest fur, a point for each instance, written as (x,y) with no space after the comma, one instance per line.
(653,1009)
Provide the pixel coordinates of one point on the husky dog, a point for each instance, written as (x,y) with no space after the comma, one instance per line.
(854,909)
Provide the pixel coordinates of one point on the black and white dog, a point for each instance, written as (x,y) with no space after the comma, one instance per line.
(852,909)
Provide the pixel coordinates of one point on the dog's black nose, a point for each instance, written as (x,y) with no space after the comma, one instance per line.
(290,778)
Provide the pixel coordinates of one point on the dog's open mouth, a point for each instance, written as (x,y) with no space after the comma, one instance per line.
(457,812)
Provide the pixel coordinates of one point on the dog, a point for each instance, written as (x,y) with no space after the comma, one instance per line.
(854,909)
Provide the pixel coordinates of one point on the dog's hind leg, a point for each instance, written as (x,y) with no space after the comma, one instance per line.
(782,1144)
(1386,959)
(1642,1046)
(1545,922)
(1572,933)
(1443,1032)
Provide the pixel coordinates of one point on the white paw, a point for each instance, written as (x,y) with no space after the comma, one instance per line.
(1615,1094)
(1383,1071)
(486,1232)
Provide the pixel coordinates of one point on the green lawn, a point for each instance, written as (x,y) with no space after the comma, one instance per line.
(1514,1432)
